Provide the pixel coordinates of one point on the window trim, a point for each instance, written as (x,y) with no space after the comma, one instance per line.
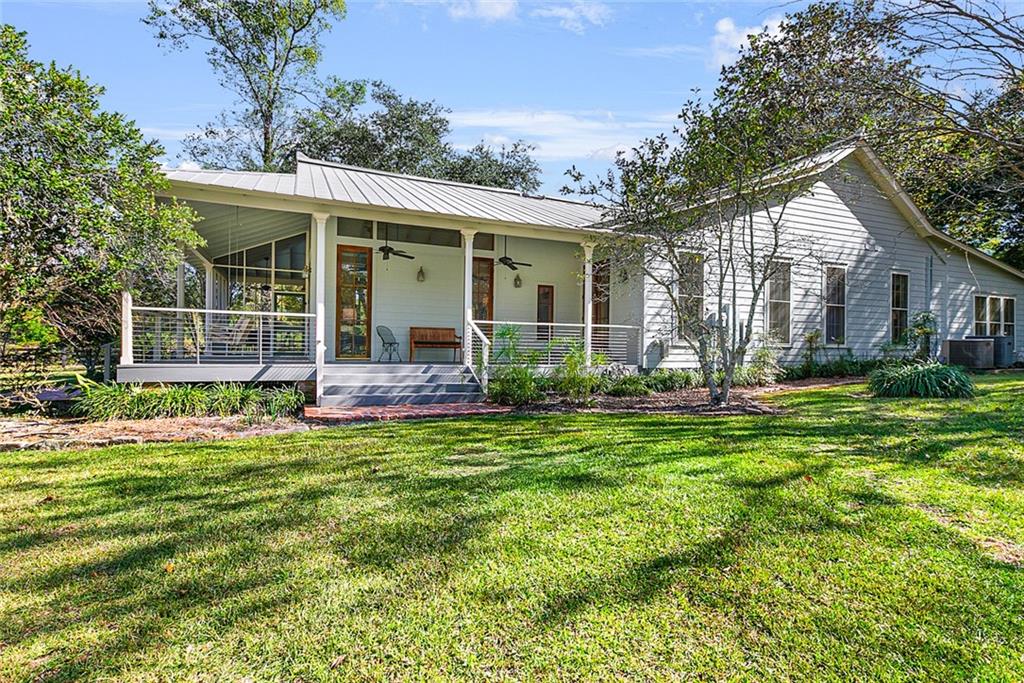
(906,273)
(768,302)
(825,304)
(679,322)
(987,296)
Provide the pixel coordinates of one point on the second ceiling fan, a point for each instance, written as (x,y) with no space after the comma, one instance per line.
(508,262)
(389,250)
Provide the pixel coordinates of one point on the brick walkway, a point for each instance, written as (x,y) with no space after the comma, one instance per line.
(402,412)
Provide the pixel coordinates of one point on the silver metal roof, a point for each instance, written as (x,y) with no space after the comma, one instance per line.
(330,182)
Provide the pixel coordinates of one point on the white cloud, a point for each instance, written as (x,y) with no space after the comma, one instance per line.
(182,166)
(561,135)
(662,51)
(576,16)
(485,10)
(730,38)
(166,133)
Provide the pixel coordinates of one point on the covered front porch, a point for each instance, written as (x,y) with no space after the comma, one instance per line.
(285,296)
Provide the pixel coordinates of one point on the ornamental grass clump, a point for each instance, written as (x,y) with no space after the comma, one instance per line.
(136,402)
(928,379)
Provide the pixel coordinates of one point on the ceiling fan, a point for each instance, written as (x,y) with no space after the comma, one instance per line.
(507,261)
(388,251)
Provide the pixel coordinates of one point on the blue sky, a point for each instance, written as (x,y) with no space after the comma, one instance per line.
(579,79)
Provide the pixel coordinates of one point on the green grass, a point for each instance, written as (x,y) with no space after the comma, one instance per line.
(852,538)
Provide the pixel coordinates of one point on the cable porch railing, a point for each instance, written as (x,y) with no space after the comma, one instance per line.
(549,343)
(188,335)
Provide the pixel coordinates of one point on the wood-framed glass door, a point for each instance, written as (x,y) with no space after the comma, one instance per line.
(352,319)
(483,291)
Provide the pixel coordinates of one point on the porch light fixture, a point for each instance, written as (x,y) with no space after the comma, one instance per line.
(518,282)
(420,275)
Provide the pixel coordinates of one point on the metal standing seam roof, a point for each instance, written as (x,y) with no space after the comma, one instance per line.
(326,181)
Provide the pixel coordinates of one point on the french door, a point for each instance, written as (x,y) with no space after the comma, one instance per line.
(355,277)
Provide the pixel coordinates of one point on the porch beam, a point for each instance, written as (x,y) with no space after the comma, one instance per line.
(467,298)
(588,301)
(127,350)
(320,279)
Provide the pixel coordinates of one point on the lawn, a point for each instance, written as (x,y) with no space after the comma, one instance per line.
(848,538)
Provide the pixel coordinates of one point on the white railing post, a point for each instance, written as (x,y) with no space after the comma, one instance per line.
(208,318)
(320,279)
(588,301)
(467,298)
(127,350)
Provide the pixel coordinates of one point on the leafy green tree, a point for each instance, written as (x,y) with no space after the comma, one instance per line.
(885,73)
(371,125)
(264,51)
(79,219)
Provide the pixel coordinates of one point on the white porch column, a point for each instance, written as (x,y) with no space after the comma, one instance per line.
(208,282)
(127,351)
(320,282)
(467,298)
(588,300)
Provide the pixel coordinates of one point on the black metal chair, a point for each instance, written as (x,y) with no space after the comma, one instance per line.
(389,345)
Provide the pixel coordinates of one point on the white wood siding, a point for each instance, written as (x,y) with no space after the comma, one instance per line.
(846,219)
(400,302)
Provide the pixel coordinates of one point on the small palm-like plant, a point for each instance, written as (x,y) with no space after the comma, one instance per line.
(928,379)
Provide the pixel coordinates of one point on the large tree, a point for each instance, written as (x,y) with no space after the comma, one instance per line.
(704,218)
(266,52)
(369,124)
(934,88)
(78,215)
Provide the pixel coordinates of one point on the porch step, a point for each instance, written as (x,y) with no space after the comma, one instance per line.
(378,384)
(399,399)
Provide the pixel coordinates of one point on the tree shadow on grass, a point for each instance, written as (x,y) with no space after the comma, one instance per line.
(384,498)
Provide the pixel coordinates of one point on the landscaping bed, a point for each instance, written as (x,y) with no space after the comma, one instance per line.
(50,433)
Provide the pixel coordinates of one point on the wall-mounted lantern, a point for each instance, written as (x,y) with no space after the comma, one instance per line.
(518,282)
(421,275)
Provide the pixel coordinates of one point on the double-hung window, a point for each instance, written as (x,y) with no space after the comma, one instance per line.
(994,316)
(899,307)
(835,304)
(780,303)
(691,296)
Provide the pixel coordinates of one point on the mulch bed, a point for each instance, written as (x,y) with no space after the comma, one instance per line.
(54,433)
(50,433)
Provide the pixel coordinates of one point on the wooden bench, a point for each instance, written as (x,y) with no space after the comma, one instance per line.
(433,338)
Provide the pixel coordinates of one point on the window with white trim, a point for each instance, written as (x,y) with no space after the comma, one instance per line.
(994,316)
(780,302)
(899,307)
(835,304)
(691,296)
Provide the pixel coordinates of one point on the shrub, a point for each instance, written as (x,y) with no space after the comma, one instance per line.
(233,398)
(629,385)
(573,378)
(514,385)
(673,380)
(134,402)
(283,401)
(928,379)
(180,400)
(764,364)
